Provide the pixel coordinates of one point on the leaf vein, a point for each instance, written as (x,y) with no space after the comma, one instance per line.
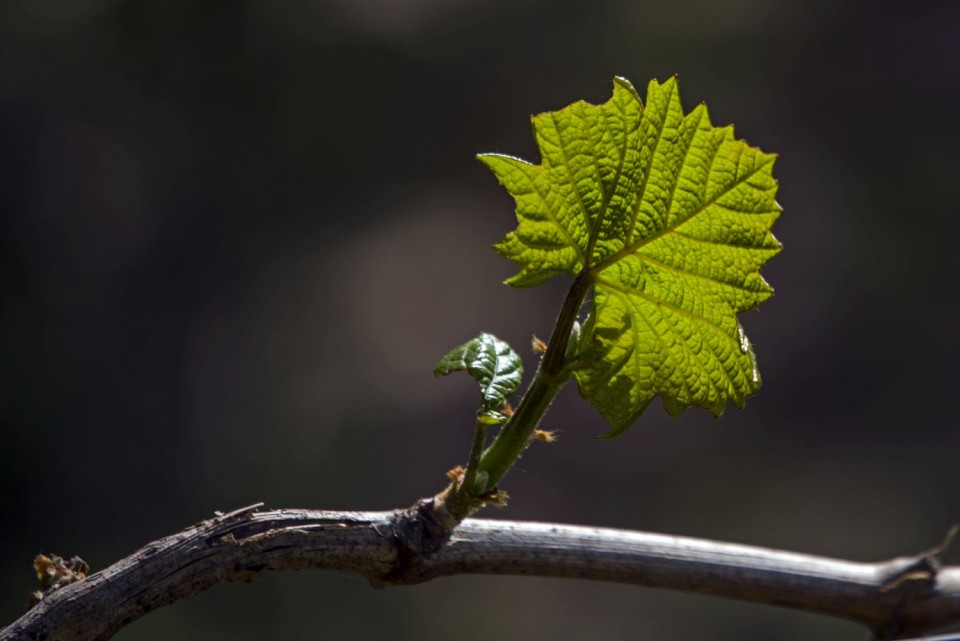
(653,261)
(555,221)
(632,248)
(668,354)
(630,291)
(573,186)
(595,232)
(646,174)
(722,243)
(683,162)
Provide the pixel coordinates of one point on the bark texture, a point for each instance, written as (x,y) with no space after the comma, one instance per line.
(895,599)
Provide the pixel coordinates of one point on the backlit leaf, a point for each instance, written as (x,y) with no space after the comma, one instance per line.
(670,217)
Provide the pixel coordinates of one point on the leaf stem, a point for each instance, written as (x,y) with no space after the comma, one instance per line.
(473,465)
(462,498)
(515,435)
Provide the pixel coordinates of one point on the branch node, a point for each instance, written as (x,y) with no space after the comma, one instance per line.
(418,532)
(912,578)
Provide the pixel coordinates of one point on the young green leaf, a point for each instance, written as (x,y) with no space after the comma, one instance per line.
(670,219)
(494,365)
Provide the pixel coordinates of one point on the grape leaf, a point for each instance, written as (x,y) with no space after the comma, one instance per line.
(494,365)
(670,218)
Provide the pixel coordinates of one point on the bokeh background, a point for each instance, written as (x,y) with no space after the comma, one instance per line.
(236,237)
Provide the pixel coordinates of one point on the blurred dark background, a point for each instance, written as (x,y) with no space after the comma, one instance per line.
(236,237)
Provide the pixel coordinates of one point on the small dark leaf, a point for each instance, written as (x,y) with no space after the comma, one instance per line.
(494,365)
